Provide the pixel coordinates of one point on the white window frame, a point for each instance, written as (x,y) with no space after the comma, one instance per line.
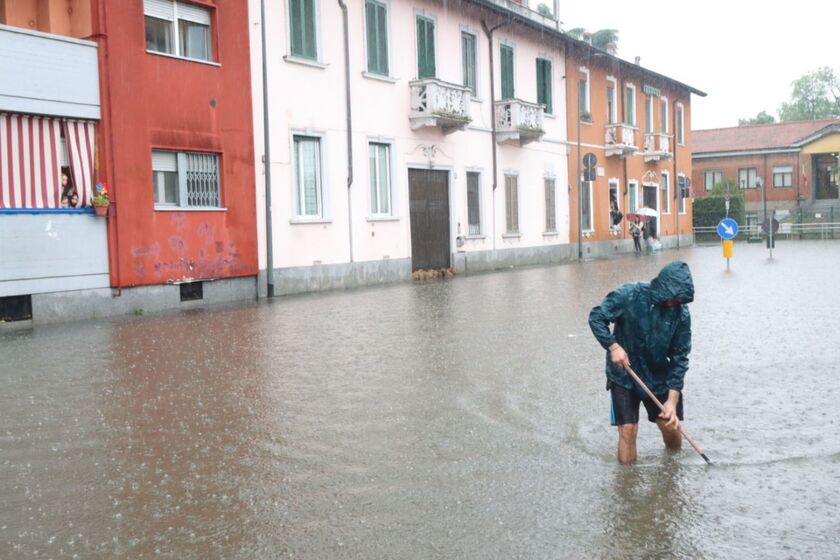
(588,101)
(176,32)
(480,172)
(650,114)
(183,193)
(428,15)
(666,205)
(471,31)
(681,123)
(632,187)
(318,61)
(627,86)
(681,199)
(367,72)
(392,176)
(591,189)
(324,216)
(518,231)
(550,177)
(665,126)
(613,117)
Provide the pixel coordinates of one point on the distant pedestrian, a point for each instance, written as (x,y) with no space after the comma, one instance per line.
(646,234)
(636,232)
(653,334)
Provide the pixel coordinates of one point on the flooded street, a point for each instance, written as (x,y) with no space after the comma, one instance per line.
(458,419)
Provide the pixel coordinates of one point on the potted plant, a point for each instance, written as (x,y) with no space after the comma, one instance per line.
(101,199)
(586,116)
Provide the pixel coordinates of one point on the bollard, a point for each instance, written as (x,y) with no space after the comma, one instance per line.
(728,245)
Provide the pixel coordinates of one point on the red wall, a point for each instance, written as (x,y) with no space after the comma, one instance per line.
(153,101)
(763,165)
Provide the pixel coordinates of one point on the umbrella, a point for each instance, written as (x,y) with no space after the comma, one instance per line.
(645,211)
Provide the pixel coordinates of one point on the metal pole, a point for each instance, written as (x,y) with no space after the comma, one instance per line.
(579,193)
(269,245)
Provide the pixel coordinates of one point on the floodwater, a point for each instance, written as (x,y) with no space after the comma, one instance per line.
(458,419)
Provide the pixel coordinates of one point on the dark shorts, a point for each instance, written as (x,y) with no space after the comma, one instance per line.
(624,406)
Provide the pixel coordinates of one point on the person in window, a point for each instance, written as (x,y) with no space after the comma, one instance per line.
(69,194)
(636,228)
(615,214)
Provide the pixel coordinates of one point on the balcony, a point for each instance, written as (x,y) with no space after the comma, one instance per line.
(439,104)
(518,122)
(657,146)
(619,140)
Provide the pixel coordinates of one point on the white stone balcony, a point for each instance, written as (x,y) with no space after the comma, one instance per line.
(619,140)
(439,104)
(657,146)
(518,121)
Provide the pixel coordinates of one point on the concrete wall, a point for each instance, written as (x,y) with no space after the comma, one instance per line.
(52,252)
(47,74)
(381,109)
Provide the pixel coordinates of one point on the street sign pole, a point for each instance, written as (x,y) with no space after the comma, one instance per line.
(772,219)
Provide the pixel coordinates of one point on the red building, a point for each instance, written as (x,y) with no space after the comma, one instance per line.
(152,99)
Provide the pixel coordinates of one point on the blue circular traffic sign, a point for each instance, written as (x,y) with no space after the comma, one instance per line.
(727,228)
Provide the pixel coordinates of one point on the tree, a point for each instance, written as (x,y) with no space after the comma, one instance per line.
(816,95)
(603,37)
(762,118)
(576,33)
(545,11)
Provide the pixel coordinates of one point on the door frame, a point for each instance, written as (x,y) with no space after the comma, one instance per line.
(450,172)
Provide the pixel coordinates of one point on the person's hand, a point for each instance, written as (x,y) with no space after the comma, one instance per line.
(670,414)
(619,357)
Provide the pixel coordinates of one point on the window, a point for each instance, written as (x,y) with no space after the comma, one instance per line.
(376,27)
(178,29)
(425,48)
(506,62)
(586,203)
(583,95)
(782,176)
(550,206)
(712,178)
(615,207)
(308,180)
(544,84)
(469,57)
(380,179)
(649,114)
(473,203)
(633,188)
(746,178)
(680,124)
(663,115)
(185,179)
(611,105)
(302,30)
(630,105)
(683,193)
(665,183)
(512,203)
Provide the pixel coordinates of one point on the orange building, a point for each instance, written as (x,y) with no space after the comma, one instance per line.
(636,124)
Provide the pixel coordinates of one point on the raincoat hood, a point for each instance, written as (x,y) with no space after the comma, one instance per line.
(673,282)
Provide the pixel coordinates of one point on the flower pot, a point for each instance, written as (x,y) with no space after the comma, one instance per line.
(101,211)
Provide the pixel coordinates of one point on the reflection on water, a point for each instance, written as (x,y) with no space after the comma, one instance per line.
(462,419)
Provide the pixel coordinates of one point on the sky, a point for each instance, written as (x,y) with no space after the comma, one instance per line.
(743,53)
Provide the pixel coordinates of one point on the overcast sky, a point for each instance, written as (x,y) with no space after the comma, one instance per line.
(743,53)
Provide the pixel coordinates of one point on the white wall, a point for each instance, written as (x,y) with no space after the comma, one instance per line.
(311,99)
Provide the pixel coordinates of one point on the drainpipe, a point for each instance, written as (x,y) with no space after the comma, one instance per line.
(349,123)
(677,196)
(269,242)
(489,32)
(102,41)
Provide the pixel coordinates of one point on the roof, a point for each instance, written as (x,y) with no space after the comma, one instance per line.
(512,10)
(777,136)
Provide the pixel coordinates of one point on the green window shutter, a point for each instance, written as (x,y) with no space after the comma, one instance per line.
(425,48)
(468,56)
(377,38)
(382,38)
(302,15)
(630,106)
(544,83)
(372,51)
(507,72)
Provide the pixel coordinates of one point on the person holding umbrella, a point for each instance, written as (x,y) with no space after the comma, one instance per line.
(653,334)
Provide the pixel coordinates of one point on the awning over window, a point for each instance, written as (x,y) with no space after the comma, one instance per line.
(31,158)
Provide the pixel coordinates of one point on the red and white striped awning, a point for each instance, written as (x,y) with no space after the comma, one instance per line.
(30,160)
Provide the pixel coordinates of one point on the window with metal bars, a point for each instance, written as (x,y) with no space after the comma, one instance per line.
(380,179)
(550,206)
(512,203)
(185,179)
(473,203)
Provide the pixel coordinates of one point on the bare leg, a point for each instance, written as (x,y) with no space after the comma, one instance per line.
(627,443)
(671,436)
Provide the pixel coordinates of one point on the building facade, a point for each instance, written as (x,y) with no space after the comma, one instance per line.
(149,102)
(633,123)
(781,167)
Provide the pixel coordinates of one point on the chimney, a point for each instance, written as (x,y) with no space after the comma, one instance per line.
(638,60)
(611,48)
(587,37)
